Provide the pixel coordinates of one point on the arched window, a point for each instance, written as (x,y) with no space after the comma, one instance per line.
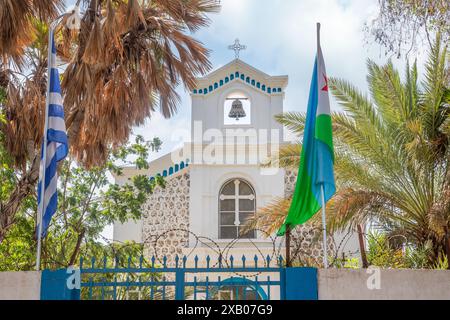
(237,204)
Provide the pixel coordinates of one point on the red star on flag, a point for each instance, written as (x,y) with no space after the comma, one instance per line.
(325,88)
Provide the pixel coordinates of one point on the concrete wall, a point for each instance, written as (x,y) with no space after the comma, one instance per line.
(333,284)
(24,285)
(379,284)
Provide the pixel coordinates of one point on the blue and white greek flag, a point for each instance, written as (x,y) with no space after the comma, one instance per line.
(57,146)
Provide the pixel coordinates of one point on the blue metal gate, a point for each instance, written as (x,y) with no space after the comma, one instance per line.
(222,279)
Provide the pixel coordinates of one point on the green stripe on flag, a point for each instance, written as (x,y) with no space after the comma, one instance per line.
(324,131)
(304,204)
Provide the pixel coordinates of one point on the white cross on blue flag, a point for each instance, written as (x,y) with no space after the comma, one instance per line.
(56,145)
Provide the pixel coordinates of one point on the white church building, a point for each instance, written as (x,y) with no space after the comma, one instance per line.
(216,181)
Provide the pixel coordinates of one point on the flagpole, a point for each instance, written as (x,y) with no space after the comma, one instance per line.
(318,37)
(44,151)
(324,229)
(322,189)
(40,214)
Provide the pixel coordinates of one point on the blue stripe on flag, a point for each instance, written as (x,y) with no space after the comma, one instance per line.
(55,110)
(54,80)
(57,136)
(49,212)
(50,172)
(53,47)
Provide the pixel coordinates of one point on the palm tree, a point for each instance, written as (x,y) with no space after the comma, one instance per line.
(16,26)
(392,154)
(123,65)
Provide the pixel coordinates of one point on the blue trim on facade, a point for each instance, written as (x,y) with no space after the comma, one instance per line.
(170,171)
(236,76)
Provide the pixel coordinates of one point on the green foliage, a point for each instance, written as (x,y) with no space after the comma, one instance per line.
(347,263)
(87,202)
(2,96)
(419,257)
(442,262)
(381,254)
(392,156)
(7,174)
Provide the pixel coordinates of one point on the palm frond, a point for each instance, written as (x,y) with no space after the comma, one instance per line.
(293,121)
(392,162)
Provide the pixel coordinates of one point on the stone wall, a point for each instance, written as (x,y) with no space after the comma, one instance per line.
(306,240)
(166,215)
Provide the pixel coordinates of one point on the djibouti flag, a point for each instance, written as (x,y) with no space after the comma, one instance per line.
(317,156)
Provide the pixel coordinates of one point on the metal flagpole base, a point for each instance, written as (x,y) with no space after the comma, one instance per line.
(324,229)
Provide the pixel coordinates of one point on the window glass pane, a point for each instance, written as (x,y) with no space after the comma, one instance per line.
(244,189)
(227,205)
(244,217)
(248,235)
(227,218)
(228,189)
(246,205)
(228,232)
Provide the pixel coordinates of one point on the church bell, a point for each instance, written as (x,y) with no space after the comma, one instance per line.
(237,110)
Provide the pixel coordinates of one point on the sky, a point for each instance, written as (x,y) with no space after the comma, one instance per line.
(280,36)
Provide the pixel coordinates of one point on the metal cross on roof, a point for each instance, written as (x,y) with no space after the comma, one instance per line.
(237,47)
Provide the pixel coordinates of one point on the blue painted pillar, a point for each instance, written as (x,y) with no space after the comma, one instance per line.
(299,284)
(179,284)
(54,286)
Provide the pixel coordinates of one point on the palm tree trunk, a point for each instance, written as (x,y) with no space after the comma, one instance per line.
(362,248)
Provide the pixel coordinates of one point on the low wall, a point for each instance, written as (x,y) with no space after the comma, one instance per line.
(333,284)
(25,285)
(383,284)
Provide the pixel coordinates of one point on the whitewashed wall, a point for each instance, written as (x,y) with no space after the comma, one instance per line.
(24,285)
(394,284)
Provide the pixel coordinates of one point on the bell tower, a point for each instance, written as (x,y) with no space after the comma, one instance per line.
(237,96)
(233,130)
